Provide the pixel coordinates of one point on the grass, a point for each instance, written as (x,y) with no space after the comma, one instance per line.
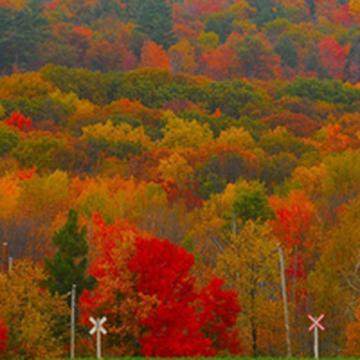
(228,358)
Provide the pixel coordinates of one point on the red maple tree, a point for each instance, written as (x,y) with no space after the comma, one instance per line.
(170,317)
(3,337)
(19,121)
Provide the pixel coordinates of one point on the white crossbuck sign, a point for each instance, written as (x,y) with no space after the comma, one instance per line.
(315,326)
(98,329)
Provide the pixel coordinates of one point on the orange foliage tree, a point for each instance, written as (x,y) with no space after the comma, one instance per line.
(154,56)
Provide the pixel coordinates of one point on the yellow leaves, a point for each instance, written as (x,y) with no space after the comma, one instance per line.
(123,132)
(44,196)
(2,112)
(310,178)
(29,85)
(31,313)
(182,56)
(208,41)
(175,168)
(9,195)
(250,265)
(236,136)
(180,133)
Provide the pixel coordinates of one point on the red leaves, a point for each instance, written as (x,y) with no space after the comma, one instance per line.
(19,121)
(175,327)
(163,270)
(293,218)
(26,174)
(333,56)
(299,124)
(3,337)
(169,317)
(174,330)
(220,309)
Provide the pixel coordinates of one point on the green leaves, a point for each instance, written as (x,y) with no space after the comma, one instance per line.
(69,265)
(21,32)
(251,203)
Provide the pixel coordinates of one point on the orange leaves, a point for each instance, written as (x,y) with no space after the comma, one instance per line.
(9,195)
(115,296)
(83,31)
(154,56)
(353,336)
(220,63)
(335,140)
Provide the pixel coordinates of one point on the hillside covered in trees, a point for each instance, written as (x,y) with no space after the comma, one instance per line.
(158,154)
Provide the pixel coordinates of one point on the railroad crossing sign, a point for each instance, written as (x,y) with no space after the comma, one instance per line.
(98,329)
(315,326)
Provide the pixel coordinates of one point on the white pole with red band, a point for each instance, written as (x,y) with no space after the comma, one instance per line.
(315,326)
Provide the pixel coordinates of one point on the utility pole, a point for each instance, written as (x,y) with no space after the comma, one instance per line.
(72,325)
(285,300)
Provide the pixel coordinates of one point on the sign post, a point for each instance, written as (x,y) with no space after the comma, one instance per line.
(315,326)
(98,329)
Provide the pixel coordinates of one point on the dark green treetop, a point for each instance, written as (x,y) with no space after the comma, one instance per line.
(69,264)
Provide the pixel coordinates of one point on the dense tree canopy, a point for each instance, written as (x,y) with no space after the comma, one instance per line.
(167,149)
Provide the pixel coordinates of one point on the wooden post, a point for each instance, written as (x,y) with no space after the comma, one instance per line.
(285,300)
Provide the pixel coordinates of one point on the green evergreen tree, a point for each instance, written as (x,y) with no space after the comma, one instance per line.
(21,31)
(69,264)
(286,49)
(154,19)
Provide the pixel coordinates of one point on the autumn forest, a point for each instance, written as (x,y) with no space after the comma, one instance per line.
(189,169)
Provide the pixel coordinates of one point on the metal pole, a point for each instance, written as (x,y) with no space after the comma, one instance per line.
(5,257)
(72,326)
(98,339)
(10,264)
(316,342)
(285,300)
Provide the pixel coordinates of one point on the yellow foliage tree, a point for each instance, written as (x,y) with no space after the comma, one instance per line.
(249,264)
(32,314)
(236,136)
(112,133)
(179,133)
(175,168)
(182,57)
